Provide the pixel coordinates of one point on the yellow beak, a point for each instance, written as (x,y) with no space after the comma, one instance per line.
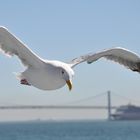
(69,83)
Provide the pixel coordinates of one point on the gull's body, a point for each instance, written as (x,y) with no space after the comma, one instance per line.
(46,77)
(51,75)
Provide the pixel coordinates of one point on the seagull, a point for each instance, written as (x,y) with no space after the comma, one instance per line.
(53,74)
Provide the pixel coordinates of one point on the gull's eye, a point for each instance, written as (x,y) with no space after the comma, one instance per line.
(63,72)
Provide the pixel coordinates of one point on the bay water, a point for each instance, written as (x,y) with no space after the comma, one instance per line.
(70,130)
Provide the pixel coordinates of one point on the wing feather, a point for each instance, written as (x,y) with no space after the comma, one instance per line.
(11,45)
(120,55)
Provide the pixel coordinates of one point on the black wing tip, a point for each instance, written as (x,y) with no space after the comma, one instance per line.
(89,62)
(137,69)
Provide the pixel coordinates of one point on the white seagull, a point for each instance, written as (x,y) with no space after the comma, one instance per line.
(50,74)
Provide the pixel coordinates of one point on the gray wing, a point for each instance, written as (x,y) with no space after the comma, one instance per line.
(10,46)
(120,55)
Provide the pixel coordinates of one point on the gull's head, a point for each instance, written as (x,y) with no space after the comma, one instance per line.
(63,74)
(67,73)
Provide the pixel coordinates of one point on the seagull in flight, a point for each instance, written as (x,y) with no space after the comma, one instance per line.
(54,74)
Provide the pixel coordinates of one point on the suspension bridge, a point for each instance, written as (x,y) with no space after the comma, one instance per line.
(2,107)
(75,105)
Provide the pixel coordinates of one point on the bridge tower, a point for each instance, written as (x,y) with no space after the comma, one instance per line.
(109,104)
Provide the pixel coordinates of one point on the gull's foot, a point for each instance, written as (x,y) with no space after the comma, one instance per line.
(24,82)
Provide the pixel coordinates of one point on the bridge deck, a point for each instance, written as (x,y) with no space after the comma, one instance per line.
(54,107)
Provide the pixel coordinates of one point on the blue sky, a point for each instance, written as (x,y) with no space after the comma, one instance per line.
(64,30)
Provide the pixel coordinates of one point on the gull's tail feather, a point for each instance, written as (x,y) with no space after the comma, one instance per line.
(19,76)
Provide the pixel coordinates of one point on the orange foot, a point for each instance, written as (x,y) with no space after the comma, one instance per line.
(24,82)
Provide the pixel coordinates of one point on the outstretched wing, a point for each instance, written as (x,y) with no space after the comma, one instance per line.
(119,55)
(10,45)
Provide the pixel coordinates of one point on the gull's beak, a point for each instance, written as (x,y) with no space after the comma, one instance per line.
(69,83)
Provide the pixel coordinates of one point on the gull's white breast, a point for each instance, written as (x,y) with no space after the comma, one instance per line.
(45,79)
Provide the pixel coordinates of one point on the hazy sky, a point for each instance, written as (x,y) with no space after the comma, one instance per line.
(63,30)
